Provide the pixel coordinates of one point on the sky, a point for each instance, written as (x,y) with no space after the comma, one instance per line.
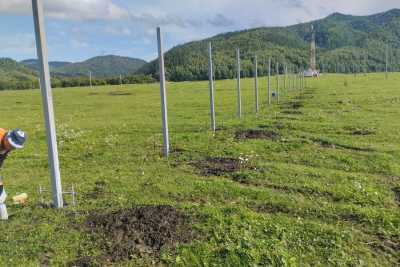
(80,29)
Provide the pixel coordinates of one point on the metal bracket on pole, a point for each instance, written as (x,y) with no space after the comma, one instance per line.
(45,85)
(239,96)
(163,94)
(70,192)
(211,81)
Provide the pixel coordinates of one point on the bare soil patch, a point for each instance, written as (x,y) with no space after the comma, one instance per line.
(293,105)
(328,144)
(256,134)
(292,112)
(139,231)
(119,93)
(220,166)
(363,132)
(83,262)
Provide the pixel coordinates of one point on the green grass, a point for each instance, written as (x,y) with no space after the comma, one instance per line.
(320,195)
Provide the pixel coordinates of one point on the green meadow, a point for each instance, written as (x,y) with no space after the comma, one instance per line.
(313,180)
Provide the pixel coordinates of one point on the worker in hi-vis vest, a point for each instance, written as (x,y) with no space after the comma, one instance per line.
(9,141)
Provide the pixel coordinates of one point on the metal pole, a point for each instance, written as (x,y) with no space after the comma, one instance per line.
(47,99)
(387,58)
(277,82)
(305,81)
(120,80)
(285,77)
(90,79)
(269,81)
(256,83)
(239,96)
(163,94)
(210,76)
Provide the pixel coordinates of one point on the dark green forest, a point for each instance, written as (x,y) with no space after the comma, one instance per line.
(16,76)
(345,44)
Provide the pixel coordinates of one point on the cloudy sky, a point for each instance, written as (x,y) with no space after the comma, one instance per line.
(80,29)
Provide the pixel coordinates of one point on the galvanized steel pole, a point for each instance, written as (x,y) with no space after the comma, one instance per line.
(239,96)
(90,79)
(269,81)
(47,99)
(285,77)
(277,82)
(163,94)
(211,85)
(256,83)
(387,61)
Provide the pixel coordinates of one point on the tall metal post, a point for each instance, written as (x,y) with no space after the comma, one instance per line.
(256,83)
(239,96)
(285,77)
(163,93)
(120,80)
(211,84)
(47,99)
(269,81)
(291,78)
(90,79)
(387,61)
(277,83)
(305,82)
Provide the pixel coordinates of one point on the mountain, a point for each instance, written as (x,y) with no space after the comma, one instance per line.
(102,66)
(14,75)
(34,64)
(345,43)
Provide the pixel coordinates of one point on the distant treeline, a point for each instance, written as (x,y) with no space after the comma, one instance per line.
(60,82)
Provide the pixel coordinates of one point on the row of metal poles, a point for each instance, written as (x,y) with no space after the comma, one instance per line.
(47,99)
(298,80)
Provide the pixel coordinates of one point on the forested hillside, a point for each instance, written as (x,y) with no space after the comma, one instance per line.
(15,76)
(101,67)
(345,44)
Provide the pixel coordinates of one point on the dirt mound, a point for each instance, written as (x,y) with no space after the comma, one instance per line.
(363,132)
(83,262)
(292,112)
(220,166)
(328,144)
(293,105)
(256,134)
(139,231)
(119,93)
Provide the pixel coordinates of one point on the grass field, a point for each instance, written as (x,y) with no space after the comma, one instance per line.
(317,184)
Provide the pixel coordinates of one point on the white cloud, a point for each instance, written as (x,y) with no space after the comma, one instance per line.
(117,30)
(69,9)
(21,43)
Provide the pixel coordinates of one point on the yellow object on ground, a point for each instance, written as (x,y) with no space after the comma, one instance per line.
(20,199)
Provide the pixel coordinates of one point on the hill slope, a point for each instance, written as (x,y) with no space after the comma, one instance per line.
(102,66)
(14,75)
(34,64)
(343,42)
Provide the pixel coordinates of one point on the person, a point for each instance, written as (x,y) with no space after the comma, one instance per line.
(9,141)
